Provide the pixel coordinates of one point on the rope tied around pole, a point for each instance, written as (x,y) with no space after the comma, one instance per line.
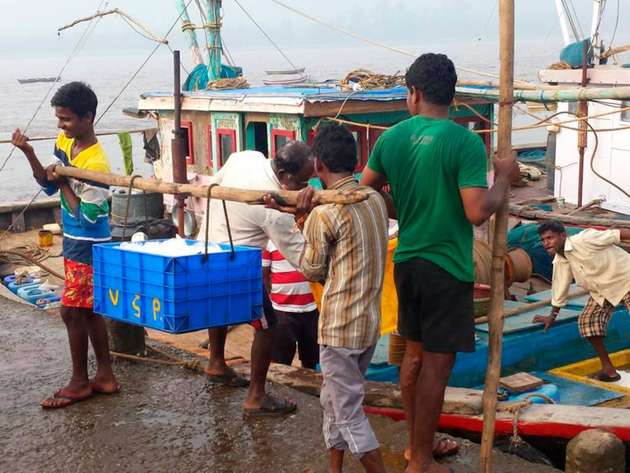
(227,224)
(213,26)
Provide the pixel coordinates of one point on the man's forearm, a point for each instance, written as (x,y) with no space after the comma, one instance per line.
(624,233)
(38,170)
(494,197)
(554,311)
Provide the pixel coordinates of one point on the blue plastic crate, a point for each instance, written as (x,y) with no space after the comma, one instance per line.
(178,294)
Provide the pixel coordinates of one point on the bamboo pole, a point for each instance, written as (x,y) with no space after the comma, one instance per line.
(557,95)
(499,248)
(529,307)
(232,194)
(567,218)
(98,133)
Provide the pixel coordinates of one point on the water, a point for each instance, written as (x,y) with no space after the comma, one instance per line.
(108,72)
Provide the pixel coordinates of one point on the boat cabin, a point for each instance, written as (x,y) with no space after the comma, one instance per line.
(219,123)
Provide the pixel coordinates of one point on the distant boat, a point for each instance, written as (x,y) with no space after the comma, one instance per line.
(39,79)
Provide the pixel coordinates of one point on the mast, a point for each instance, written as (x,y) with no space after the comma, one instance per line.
(598,11)
(215,47)
(190,33)
(563,16)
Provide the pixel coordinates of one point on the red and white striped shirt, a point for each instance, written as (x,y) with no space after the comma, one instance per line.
(290,291)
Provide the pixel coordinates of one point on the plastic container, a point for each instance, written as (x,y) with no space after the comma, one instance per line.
(32,294)
(178,294)
(14,287)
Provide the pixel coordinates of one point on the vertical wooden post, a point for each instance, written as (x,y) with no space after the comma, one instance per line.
(495,316)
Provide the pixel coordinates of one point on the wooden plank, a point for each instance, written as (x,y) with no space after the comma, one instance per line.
(457,400)
(520,382)
(325,109)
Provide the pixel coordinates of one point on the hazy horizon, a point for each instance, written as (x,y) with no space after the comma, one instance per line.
(33,26)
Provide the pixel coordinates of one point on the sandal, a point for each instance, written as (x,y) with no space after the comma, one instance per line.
(63,398)
(272,408)
(231,380)
(442,447)
(97,389)
(605,378)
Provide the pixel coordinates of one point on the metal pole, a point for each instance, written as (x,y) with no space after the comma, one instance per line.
(562,16)
(582,127)
(499,248)
(178,144)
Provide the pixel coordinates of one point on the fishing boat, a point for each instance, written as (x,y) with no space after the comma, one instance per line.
(39,79)
(218,114)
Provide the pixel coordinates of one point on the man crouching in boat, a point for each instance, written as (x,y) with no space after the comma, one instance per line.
(85,218)
(598,265)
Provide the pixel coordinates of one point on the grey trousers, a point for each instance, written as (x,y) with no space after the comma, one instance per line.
(346,427)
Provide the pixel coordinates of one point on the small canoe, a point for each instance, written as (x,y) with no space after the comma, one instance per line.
(39,79)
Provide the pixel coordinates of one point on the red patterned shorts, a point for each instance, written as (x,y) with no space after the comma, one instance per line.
(78,291)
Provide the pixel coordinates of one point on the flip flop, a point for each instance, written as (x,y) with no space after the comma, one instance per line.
(63,398)
(438,449)
(444,447)
(230,380)
(605,378)
(98,390)
(272,408)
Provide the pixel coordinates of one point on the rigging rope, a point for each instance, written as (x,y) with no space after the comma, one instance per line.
(4,234)
(133,76)
(79,44)
(282,53)
(391,48)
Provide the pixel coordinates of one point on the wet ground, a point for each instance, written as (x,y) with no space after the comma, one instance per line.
(166,419)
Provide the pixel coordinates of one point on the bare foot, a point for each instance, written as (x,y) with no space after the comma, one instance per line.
(104,381)
(218,369)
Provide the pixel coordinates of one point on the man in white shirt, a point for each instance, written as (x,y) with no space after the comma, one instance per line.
(255,225)
(598,265)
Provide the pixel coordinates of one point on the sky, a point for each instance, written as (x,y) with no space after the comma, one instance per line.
(31,25)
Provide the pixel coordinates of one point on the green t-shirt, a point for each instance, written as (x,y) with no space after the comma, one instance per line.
(426,162)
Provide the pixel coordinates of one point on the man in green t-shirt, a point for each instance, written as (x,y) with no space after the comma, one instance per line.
(437,173)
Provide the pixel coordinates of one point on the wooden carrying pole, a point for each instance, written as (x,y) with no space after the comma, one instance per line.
(495,316)
(247,196)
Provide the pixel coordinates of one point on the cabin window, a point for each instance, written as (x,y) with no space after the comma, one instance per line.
(573,108)
(279,138)
(189,152)
(625,115)
(227,144)
(209,137)
(360,137)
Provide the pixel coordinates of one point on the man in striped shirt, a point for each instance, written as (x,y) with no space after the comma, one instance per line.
(85,219)
(346,248)
(295,308)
